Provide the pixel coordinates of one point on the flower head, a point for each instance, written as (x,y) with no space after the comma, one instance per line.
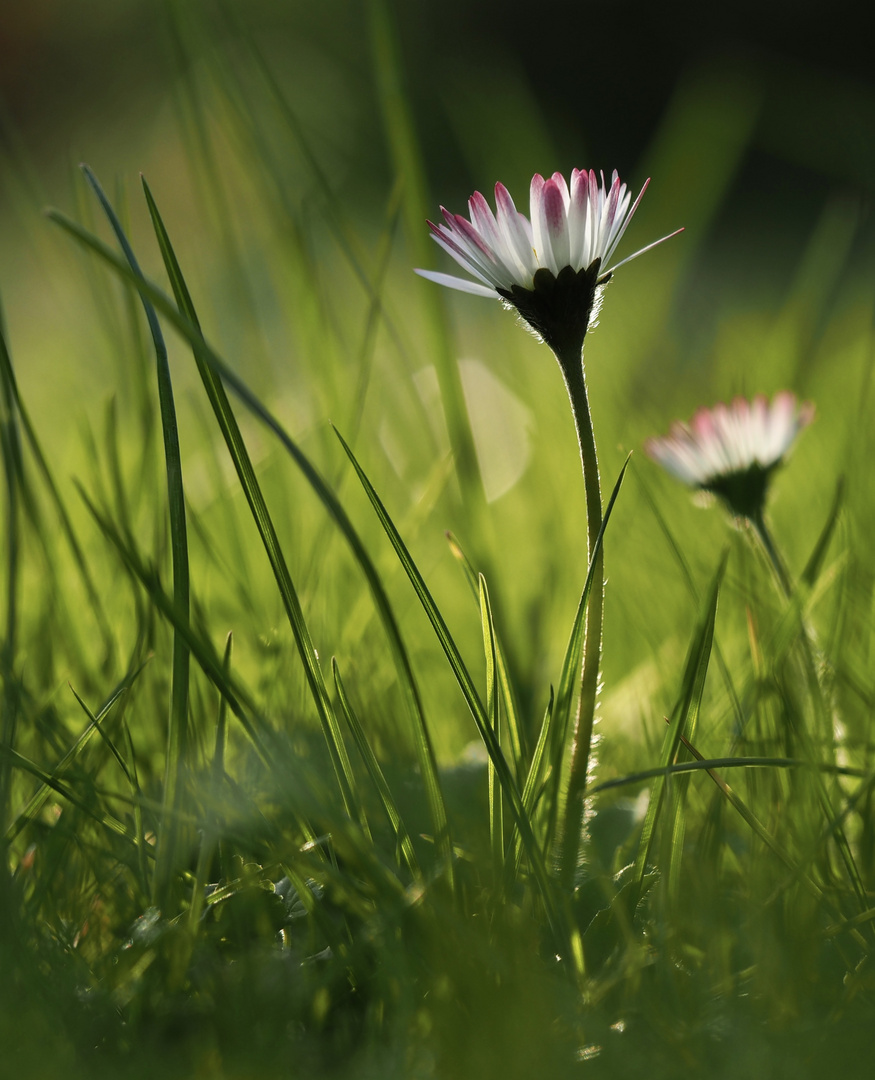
(548,266)
(731,450)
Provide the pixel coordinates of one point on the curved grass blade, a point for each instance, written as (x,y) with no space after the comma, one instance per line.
(684,715)
(403,843)
(210,836)
(191,333)
(10,447)
(815,560)
(169,839)
(493,713)
(199,645)
(508,699)
(261,515)
(39,798)
(472,698)
(533,789)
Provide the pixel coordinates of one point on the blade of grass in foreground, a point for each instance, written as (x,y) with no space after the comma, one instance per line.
(199,644)
(469,692)
(496,817)
(10,448)
(177,731)
(191,333)
(404,845)
(532,791)
(14,400)
(684,716)
(508,701)
(210,834)
(264,523)
(39,798)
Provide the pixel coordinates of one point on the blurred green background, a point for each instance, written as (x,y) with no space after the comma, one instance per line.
(756,123)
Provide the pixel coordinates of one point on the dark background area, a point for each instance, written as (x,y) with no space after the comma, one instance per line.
(601,74)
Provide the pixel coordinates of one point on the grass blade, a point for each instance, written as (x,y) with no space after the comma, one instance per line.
(210,836)
(192,334)
(533,789)
(684,716)
(496,818)
(169,840)
(469,692)
(261,515)
(10,448)
(508,698)
(404,845)
(815,560)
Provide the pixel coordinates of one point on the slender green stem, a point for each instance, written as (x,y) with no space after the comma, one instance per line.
(581,739)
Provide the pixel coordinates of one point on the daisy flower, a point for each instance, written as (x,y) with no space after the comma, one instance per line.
(549,265)
(732,450)
(552,267)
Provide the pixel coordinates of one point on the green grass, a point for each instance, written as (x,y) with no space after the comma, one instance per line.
(292,613)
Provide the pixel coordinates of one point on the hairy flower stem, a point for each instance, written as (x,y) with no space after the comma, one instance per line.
(571,363)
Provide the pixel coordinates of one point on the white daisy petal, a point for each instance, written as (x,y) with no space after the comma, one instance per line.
(568,225)
(462,284)
(554,227)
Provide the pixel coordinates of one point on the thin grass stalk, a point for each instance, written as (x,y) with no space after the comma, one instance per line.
(261,515)
(35,448)
(404,852)
(478,712)
(807,648)
(191,333)
(177,730)
(683,716)
(210,835)
(508,701)
(532,790)
(493,713)
(10,447)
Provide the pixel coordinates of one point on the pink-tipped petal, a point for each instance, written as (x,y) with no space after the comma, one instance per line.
(554,228)
(569,225)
